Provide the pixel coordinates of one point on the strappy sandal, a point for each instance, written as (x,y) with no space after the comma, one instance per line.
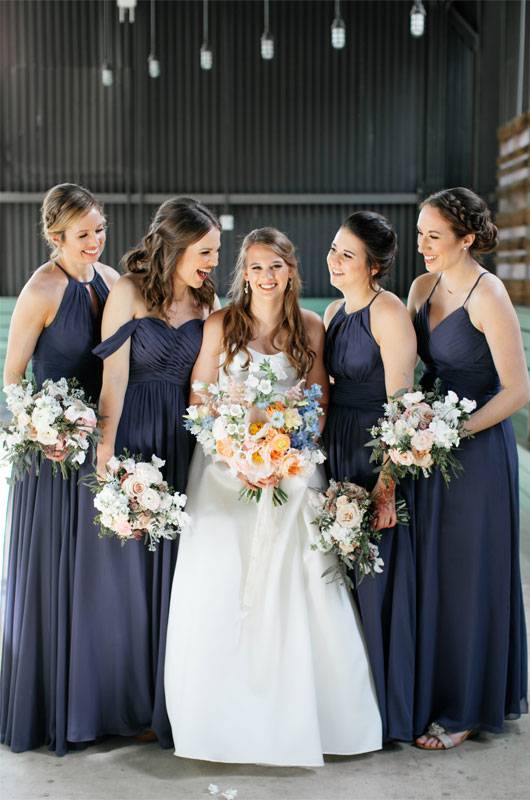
(436,731)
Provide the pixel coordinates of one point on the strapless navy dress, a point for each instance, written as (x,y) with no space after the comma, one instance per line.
(471,668)
(50,539)
(121,661)
(387,601)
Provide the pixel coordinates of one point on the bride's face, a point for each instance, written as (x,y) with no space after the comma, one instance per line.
(266,272)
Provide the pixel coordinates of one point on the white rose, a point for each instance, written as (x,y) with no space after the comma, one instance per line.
(451,398)
(147,473)
(349,515)
(411,398)
(149,499)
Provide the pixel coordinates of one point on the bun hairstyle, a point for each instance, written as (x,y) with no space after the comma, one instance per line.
(379,239)
(466,213)
(178,223)
(238,321)
(61,206)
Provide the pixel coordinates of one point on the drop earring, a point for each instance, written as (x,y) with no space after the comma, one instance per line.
(246,287)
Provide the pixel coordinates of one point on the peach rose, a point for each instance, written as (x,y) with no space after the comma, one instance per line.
(291,466)
(224,448)
(123,529)
(422,458)
(280,442)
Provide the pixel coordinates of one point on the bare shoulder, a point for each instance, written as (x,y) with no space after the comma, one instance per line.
(44,287)
(420,289)
(126,287)
(312,321)
(109,274)
(214,324)
(490,297)
(387,304)
(331,310)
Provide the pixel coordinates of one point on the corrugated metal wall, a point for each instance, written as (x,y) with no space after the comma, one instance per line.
(369,119)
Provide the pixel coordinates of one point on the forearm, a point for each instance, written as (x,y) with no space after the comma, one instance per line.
(110,409)
(499,408)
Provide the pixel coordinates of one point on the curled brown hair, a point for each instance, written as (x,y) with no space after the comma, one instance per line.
(62,204)
(466,213)
(239,323)
(178,223)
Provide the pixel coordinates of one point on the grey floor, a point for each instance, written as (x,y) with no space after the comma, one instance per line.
(490,768)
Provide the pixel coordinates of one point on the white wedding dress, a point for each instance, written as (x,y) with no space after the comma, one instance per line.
(265,660)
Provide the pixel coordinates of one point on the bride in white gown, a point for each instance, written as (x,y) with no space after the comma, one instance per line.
(265,660)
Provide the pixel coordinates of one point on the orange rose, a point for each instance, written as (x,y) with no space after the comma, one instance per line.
(224,448)
(280,442)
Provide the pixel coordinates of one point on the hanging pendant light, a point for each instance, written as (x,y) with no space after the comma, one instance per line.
(153,64)
(338,29)
(206,53)
(107,73)
(267,40)
(124,7)
(417,19)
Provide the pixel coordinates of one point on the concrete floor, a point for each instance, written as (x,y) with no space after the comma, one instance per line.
(489,768)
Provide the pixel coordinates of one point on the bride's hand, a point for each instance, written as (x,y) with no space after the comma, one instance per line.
(261,484)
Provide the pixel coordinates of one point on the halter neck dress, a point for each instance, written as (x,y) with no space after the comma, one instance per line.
(386,601)
(50,543)
(471,657)
(123,655)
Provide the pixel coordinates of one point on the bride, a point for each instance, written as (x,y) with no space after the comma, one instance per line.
(265,661)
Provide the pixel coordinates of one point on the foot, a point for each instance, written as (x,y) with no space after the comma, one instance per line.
(146,736)
(437,738)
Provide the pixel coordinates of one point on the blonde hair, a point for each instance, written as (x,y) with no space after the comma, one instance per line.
(177,224)
(239,323)
(61,206)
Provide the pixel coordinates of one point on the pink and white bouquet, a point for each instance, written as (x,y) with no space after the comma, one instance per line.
(420,431)
(56,422)
(135,502)
(344,520)
(263,433)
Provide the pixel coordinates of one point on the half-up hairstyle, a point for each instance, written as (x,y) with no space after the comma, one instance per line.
(178,223)
(466,213)
(62,205)
(239,323)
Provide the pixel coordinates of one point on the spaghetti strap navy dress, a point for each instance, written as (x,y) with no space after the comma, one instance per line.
(50,535)
(471,669)
(121,660)
(387,601)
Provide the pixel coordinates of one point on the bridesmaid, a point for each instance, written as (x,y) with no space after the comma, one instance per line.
(55,324)
(370,353)
(471,647)
(152,330)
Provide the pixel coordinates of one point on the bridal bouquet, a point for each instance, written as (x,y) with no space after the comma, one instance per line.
(135,502)
(56,422)
(420,431)
(345,523)
(263,433)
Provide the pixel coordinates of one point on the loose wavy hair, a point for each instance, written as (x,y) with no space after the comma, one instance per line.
(239,326)
(178,223)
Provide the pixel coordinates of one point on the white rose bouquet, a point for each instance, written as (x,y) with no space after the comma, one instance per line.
(345,523)
(135,502)
(420,431)
(57,423)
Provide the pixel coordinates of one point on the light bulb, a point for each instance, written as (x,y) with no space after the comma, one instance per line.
(267,47)
(206,57)
(154,67)
(227,222)
(107,75)
(417,19)
(338,33)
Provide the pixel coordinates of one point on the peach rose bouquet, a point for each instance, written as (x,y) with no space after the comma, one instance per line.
(419,432)
(56,422)
(265,435)
(135,502)
(344,521)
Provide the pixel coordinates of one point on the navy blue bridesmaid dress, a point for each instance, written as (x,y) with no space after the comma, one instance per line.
(471,669)
(386,602)
(121,660)
(50,534)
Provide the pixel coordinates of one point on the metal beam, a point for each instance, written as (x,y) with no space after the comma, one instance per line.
(375,198)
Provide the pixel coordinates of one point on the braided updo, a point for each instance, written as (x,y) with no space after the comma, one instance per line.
(61,206)
(466,213)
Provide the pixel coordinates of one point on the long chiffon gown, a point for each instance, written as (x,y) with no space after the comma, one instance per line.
(386,601)
(50,542)
(122,658)
(471,669)
(265,660)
